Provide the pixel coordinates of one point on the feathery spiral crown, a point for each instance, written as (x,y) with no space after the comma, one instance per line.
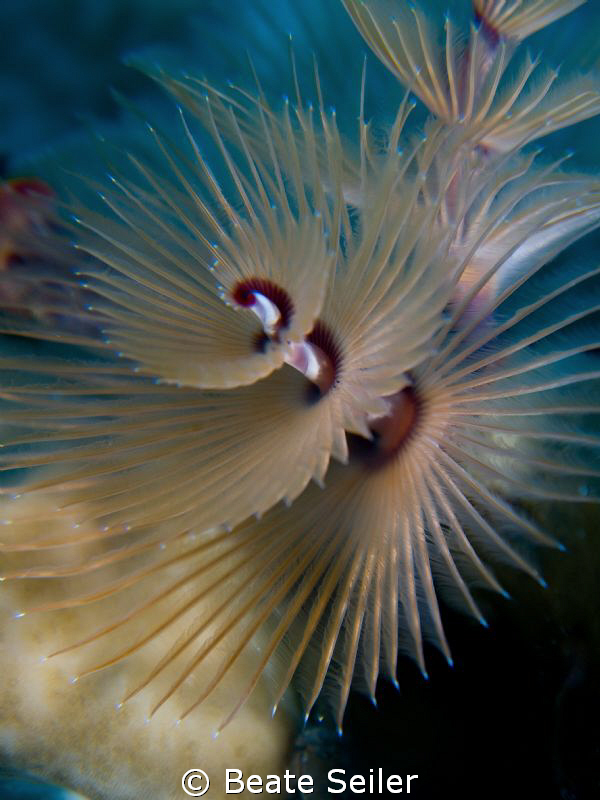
(390,305)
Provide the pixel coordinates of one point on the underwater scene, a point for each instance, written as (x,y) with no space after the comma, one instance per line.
(299,399)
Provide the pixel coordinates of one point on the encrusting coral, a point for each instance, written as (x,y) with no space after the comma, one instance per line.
(294,297)
(70,732)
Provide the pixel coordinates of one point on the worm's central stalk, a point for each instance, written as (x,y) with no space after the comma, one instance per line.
(271,303)
(391,430)
(318,357)
(266,311)
(313,362)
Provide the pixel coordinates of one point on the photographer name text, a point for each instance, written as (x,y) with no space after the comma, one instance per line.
(338,781)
